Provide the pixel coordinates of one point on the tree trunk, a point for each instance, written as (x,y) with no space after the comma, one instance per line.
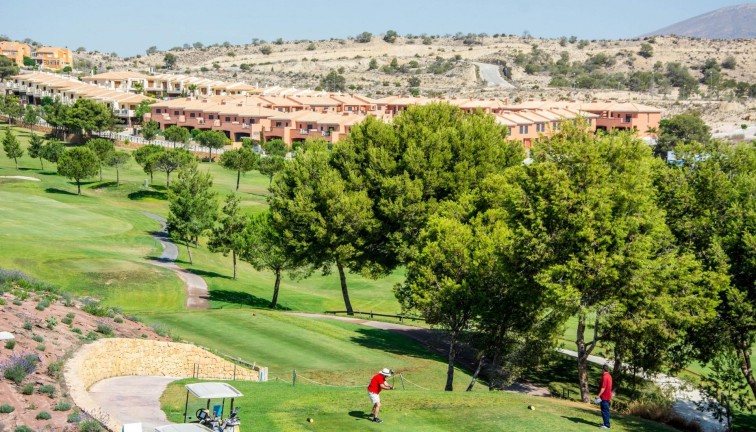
(745,365)
(617,372)
(41,163)
(78,186)
(274,302)
(167,180)
(475,375)
(233,255)
(118,177)
(582,349)
(450,366)
(151,179)
(16,160)
(189,251)
(344,291)
(238,177)
(100,172)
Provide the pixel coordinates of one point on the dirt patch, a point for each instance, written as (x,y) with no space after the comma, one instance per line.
(45,336)
(19,178)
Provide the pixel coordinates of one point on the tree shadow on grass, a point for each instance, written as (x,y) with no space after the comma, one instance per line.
(147,194)
(48,173)
(402,343)
(241,298)
(629,422)
(104,185)
(60,191)
(206,273)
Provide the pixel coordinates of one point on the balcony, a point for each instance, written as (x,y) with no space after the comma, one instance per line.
(303,132)
(325,133)
(182,119)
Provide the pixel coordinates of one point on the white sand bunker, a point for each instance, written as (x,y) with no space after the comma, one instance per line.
(19,178)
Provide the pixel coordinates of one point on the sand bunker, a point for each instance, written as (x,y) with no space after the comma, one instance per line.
(19,178)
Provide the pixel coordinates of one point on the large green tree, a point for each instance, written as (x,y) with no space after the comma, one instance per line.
(118,159)
(683,128)
(11,107)
(177,134)
(213,139)
(172,160)
(191,205)
(36,148)
(31,117)
(270,165)
(12,147)
(150,130)
(145,157)
(103,148)
(227,233)
(77,164)
(87,116)
(53,151)
(8,68)
(322,219)
(55,115)
(266,249)
(710,208)
(240,160)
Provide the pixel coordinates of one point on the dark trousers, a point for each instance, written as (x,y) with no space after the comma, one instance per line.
(605,412)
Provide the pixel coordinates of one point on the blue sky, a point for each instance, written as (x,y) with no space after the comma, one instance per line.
(129,27)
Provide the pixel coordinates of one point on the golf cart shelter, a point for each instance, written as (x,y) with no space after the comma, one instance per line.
(209,391)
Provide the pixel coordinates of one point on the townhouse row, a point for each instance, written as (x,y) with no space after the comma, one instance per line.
(34,87)
(294,115)
(46,57)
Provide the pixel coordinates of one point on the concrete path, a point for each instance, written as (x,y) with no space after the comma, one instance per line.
(684,394)
(133,399)
(492,76)
(197,293)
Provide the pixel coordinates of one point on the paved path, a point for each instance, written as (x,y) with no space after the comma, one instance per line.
(685,396)
(196,288)
(133,399)
(492,76)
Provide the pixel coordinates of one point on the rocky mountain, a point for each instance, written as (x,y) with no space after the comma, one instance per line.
(734,22)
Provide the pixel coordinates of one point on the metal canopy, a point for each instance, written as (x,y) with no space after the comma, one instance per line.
(213,390)
(186,427)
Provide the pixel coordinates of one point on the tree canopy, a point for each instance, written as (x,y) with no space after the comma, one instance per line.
(77,164)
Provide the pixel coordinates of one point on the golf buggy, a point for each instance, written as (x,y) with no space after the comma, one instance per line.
(212,419)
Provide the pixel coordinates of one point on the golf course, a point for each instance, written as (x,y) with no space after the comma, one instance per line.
(98,245)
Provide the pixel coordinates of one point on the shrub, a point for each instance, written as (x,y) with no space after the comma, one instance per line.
(76,330)
(104,329)
(17,302)
(51,322)
(27,325)
(66,321)
(74,417)
(18,367)
(94,308)
(90,426)
(62,406)
(6,409)
(27,389)
(70,315)
(92,336)
(10,344)
(118,320)
(2,301)
(47,389)
(161,330)
(42,305)
(54,369)
(41,347)
(38,338)
(43,415)
(266,50)
(23,428)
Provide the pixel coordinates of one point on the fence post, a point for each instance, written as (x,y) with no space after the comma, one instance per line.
(294,378)
(234,372)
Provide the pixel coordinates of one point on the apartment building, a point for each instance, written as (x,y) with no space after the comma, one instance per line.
(15,51)
(48,57)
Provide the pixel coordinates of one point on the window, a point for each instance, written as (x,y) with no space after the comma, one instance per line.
(278,124)
(627,118)
(175,113)
(309,126)
(228,118)
(523,129)
(252,121)
(191,115)
(212,116)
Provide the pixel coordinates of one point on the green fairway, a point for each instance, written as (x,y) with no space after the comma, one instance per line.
(277,406)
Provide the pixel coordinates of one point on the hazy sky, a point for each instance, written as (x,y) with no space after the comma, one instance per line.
(129,27)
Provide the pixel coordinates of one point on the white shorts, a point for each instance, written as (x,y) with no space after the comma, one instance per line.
(374,397)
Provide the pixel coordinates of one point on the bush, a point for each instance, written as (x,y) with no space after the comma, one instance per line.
(118,320)
(18,367)
(54,369)
(47,389)
(364,37)
(66,321)
(43,415)
(62,406)
(17,302)
(38,338)
(27,325)
(23,428)
(266,50)
(51,322)
(42,305)
(91,336)
(2,301)
(90,426)
(74,417)
(27,389)
(94,308)
(6,409)
(76,330)
(104,329)
(10,344)
(41,347)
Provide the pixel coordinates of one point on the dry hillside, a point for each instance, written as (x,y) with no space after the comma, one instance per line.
(302,64)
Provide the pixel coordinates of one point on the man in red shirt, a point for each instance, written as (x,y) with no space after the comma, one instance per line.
(605,396)
(377,384)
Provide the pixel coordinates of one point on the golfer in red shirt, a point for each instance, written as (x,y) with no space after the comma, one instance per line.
(377,384)
(605,396)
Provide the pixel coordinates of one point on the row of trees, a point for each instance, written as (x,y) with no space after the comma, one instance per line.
(651,263)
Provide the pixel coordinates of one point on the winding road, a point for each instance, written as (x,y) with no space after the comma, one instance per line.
(197,293)
(492,76)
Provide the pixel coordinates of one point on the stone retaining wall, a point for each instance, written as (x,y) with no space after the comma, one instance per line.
(107,358)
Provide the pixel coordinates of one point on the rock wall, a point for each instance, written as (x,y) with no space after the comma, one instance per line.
(107,358)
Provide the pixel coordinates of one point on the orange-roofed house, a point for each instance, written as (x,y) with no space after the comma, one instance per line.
(48,57)
(15,51)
